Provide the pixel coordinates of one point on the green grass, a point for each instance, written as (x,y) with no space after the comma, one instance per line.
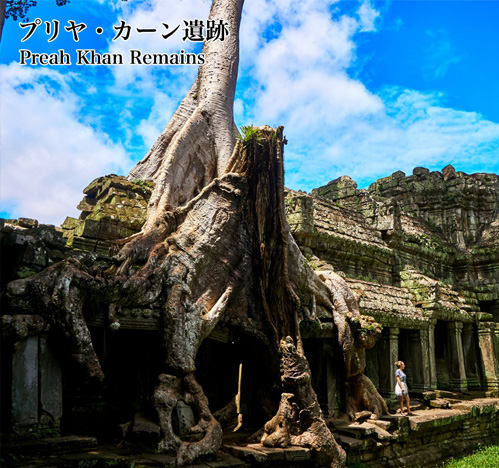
(486,457)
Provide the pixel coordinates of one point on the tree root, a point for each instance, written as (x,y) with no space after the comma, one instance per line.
(299,420)
(171,390)
(361,394)
(58,294)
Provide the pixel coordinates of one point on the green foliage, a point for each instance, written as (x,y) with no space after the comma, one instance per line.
(365,327)
(311,264)
(310,326)
(25,273)
(362,277)
(370,328)
(45,432)
(145,184)
(485,457)
(249,133)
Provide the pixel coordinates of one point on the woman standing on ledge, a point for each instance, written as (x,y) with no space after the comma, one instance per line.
(401,389)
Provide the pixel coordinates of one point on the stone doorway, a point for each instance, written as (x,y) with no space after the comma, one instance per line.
(472,361)
(442,355)
(411,352)
(31,385)
(490,307)
(328,373)
(217,371)
(449,356)
(132,361)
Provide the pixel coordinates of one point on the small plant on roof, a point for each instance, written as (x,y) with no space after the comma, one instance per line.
(248,134)
(144,184)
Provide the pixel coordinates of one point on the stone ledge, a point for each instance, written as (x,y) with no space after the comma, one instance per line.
(256,453)
(49,446)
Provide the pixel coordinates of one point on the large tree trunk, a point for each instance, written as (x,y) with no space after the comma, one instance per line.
(215,247)
(197,143)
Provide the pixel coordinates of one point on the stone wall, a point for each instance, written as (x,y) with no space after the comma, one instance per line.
(429,439)
(32,374)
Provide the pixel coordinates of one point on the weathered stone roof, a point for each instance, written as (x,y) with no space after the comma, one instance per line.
(113,208)
(419,246)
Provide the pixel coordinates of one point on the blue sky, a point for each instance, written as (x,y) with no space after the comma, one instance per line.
(363,88)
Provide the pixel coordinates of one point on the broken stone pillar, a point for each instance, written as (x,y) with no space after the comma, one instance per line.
(470,357)
(456,357)
(25,385)
(426,359)
(432,356)
(490,365)
(50,386)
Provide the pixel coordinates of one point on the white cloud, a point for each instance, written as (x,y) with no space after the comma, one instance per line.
(415,130)
(367,16)
(49,156)
(300,76)
(165,86)
(149,129)
(441,54)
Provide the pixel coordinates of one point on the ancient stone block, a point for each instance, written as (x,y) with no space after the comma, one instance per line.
(25,384)
(420,171)
(440,403)
(70,223)
(84,244)
(249,454)
(183,418)
(88,228)
(27,222)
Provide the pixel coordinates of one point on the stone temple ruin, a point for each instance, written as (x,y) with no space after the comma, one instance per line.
(421,255)
(419,252)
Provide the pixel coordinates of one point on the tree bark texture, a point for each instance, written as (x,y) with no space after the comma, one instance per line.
(197,143)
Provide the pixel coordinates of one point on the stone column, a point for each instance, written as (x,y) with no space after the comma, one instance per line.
(470,357)
(388,354)
(496,344)
(456,357)
(425,359)
(431,356)
(490,364)
(415,370)
(50,386)
(384,367)
(25,385)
